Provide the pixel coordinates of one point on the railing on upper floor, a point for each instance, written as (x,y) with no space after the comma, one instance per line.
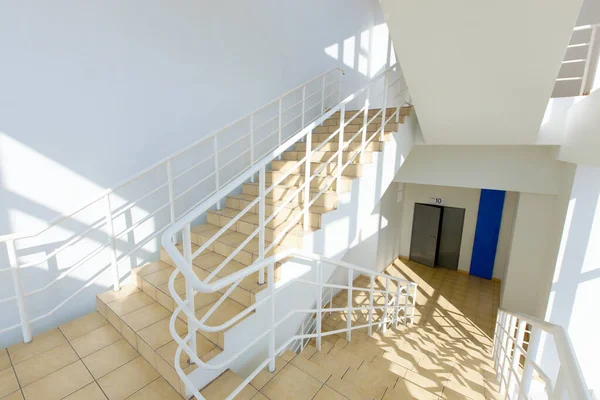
(580,59)
(398,306)
(516,343)
(225,153)
(388,89)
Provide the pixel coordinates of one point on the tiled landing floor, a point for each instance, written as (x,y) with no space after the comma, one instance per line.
(84,359)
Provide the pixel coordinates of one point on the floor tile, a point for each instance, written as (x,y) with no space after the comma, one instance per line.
(326,393)
(60,383)
(221,387)
(46,363)
(4,359)
(292,383)
(14,396)
(95,340)
(8,382)
(40,343)
(83,325)
(157,390)
(90,392)
(265,376)
(109,358)
(130,303)
(127,379)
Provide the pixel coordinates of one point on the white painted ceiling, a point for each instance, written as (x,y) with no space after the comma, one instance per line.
(480,71)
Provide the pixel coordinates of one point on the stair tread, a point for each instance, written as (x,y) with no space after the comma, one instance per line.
(231,237)
(252,218)
(284,186)
(313,209)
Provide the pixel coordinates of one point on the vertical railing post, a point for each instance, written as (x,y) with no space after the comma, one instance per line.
(303,104)
(19,292)
(364,127)
(399,91)
(349,311)
(414,303)
(271,291)
(302,334)
(340,160)
(261,222)
(534,340)
(217,184)
(385,305)
(517,354)
(307,174)
(371,305)
(384,110)
(397,305)
(340,87)
(252,144)
(319,302)
(113,247)
(588,59)
(505,371)
(190,294)
(171,195)
(323,95)
(280,123)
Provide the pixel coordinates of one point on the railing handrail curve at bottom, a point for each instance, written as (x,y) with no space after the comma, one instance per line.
(569,364)
(182,306)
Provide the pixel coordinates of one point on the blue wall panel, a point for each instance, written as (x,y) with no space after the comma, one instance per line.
(487,230)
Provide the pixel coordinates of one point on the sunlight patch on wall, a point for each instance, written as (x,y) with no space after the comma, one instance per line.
(367,52)
(563,241)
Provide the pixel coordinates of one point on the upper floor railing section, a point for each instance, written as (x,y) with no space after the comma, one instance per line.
(517,362)
(576,77)
(164,191)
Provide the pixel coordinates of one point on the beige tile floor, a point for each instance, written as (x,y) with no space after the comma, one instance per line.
(84,359)
(445,355)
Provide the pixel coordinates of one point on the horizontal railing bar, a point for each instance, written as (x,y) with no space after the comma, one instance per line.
(141,221)
(195,185)
(234,159)
(235,141)
(70,243)
(132,204)
(75,266)
(208,158)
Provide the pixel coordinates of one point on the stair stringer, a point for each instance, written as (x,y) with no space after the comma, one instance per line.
(339,229)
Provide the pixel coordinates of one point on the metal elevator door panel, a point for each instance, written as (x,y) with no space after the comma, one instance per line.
(450,237)
(424,238)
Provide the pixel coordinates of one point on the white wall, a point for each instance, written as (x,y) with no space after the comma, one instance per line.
(515,168)
(581,141)
(473,77)
(534,247)
(575,291)
(92,92)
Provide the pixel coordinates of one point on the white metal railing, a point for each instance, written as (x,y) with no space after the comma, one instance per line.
(386,90)
(586,61)
(242,141)
(400,304)
(516,344)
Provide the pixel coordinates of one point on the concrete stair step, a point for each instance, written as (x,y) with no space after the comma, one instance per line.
(334,145)
(318,182)
(321,137)
(327,199)
(241,201)
(352,170)
(324,155)
(144,323)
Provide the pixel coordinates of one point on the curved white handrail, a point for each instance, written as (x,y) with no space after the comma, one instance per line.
(511,328)
(182,306)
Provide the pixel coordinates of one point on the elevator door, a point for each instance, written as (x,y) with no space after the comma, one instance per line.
(450,237)
(425,230)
